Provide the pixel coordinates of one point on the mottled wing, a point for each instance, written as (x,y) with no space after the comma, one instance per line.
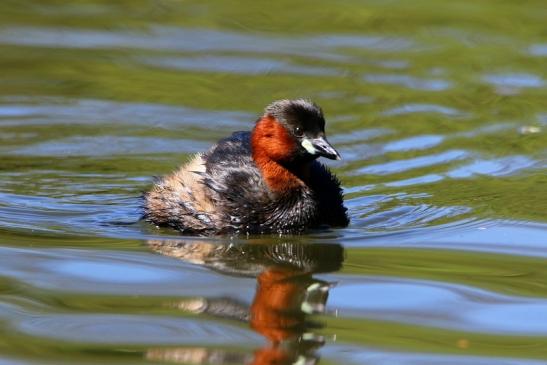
(238,186)
(180,200)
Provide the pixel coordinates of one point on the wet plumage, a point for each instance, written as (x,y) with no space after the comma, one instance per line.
(264,181)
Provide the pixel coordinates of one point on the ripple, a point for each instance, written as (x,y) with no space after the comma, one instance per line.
(487,129)
(495,167)
(407,301)
(467,234)
(68,206)
(409,216)
(515,80)
(110,145)
(539,50)
(520,318)
(398,166)
(356,152)
(37,212)
(414,143)
(238,65)
(121,273)
(115,272)
(424,179)
(200,40)
(368,203)
(423,108)
(512,238)
(393,64)
(360,135)
(53,111)
(379,356)
(382,43)
(410,82)
(127,329)
(391,296)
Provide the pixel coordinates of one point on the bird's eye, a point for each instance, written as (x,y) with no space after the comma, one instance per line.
(298,132)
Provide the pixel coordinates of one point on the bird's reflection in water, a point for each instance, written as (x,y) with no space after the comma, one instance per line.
(286,295)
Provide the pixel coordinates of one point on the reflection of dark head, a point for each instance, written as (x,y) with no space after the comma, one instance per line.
(251,259)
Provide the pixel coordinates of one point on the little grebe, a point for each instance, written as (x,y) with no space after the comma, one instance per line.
(264,181)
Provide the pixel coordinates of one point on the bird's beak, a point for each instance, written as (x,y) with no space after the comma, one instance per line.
(320,147)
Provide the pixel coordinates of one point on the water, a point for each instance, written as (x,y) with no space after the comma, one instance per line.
(438,109)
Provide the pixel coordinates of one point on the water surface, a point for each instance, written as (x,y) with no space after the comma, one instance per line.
(438,110)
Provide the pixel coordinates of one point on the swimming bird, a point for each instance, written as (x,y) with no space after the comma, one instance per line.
(267,180)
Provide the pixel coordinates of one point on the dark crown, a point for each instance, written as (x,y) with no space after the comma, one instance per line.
(288,111)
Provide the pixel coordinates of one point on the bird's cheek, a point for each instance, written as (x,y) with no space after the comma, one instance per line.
(282,146)
(308,146)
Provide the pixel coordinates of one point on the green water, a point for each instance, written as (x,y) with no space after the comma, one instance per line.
(438,109)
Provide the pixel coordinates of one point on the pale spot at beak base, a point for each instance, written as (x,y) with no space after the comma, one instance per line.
(309,146)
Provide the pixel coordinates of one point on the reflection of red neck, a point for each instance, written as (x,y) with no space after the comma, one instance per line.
(275,311)
(271,145)
(271,356)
